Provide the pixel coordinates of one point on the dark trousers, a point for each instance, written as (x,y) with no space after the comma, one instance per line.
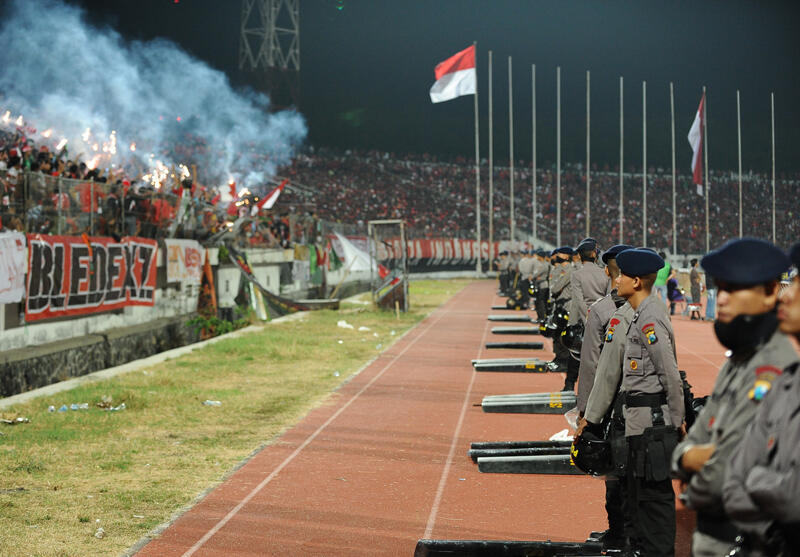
(562,354)
(523,289)
(573,366)
(615,507)
(503,281)
(541,304)
(651,507)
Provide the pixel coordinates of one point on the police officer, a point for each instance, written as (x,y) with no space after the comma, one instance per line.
(595,341)
(526,267)
(502,272)
(746,272)
(761,492)
(589,282)
(541,277)
(561,295)
(653,407)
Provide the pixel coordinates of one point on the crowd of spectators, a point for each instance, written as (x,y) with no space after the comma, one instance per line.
(437,199)
(47,192)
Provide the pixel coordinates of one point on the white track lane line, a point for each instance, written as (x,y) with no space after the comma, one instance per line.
(684,349)
(446,472)
(219,525)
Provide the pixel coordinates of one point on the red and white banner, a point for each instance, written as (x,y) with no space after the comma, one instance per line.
(12,267)
(696,141)
(433,251)
(70,275)
(184,261)
(455,76)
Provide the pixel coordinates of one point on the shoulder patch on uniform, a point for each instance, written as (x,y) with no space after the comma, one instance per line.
(649,331)
(764,377)
(612,325)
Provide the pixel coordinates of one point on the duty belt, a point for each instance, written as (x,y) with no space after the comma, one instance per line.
(717,527)
(645,400)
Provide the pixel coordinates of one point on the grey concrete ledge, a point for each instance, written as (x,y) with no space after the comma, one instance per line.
(135,365)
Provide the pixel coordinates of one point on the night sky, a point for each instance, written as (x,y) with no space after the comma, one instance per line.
(367,68)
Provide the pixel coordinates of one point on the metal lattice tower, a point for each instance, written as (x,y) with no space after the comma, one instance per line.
(270,46)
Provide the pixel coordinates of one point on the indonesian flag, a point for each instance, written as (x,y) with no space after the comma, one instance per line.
(696,141)
(455,76)
(269,200)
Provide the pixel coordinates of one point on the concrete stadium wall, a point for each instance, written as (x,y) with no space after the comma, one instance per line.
(29,368)
(33,355)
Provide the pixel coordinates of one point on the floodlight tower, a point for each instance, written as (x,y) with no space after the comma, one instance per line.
(269,47)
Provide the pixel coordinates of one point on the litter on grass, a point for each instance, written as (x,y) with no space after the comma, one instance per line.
(15,420)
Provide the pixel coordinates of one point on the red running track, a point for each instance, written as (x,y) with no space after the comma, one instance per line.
(384,462)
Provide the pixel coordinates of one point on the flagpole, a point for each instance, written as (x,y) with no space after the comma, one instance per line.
(533,118)
(739,133)
(478,266)
(558,155)
(772,109)
(511,148)
(644,163)
(588,123)
(674,216)
(491,162)
(621,152)
(705,158)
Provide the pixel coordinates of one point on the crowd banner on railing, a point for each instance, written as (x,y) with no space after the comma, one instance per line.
(277,305)
(76,275)
(12,267)
(184,261)
(438,250)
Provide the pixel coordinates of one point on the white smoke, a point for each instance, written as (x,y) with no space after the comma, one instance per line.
(64,75)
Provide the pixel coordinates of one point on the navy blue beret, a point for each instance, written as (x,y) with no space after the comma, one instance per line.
(566,250)
(553,252)
(639,262)
(587,244)
(613,251)
(504,252)
(746,261)
(794,255)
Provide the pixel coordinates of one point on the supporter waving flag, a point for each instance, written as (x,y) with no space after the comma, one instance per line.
(455,76)
(268,201)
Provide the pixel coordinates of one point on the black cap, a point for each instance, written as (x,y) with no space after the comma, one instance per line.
(566,250)
(504,252)
(613,251)
(746,261)
(794,255)
(587,244)
(639,262)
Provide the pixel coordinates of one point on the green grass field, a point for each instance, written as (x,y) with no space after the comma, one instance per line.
(133,469)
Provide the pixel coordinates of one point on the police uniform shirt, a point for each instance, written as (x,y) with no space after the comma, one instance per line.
(559,282)
(600,314)
(541,273)
(588,283)
(525,266)
(609,366)
(503,264)
(739,387)
(650,366)
(762,483)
